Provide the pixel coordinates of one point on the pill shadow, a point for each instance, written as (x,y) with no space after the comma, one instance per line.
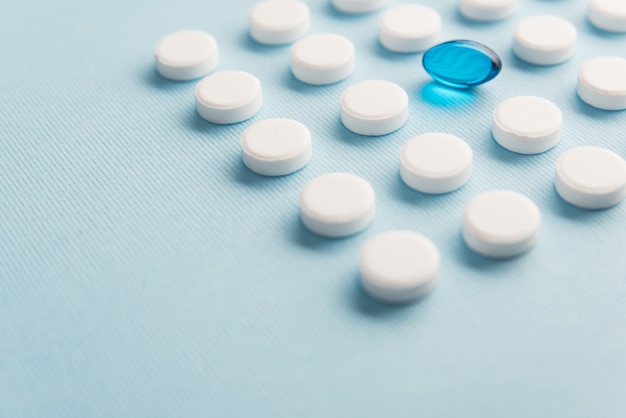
(436,94)
(488,24)
(247,42)
(536,70)
(573,213)
(365,305)
(585,109)
(195,123)
(475,261)
(155,80)
(414,198)
(331,11)
(346,136)
(304,238)
(380,51)
(597,32)
(243,176)
(294,85)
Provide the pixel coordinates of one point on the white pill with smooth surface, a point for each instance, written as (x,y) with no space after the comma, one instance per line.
(358,6)
(278,22)
(186,55)
(436,163)
(409,28)
(544,40)
(602,83)
(276,147)
(487,10)
(374,107)
(337,204)
(591,177)
(501,224)
(527,124)
(228,97)
(609,15)
(323,58)
(398,266)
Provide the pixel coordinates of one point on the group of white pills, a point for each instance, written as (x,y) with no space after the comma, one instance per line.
(399,266)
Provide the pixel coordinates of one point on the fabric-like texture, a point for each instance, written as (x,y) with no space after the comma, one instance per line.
(145,272)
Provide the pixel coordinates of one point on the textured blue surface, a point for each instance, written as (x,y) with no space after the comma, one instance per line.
(144,272)
(461,63)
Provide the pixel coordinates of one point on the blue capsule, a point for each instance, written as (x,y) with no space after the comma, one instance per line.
(461,63)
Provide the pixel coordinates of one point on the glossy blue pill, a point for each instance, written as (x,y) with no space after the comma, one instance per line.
(461,63)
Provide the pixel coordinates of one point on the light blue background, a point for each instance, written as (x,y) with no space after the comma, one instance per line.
(145,272)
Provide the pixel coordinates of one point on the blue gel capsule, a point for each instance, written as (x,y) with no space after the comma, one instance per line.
(461,63)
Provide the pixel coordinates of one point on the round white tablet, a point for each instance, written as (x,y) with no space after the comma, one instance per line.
(275,147)
(374,107)
(436,163)
(409,28)
(398,266)
(487,10)
(609,15)
(602,83)
(337,205)
(501,224)
(277,22)
(527,124)
(324,58)
(544,40)
(359,6)
(228,97)
(186,55)
(591,177)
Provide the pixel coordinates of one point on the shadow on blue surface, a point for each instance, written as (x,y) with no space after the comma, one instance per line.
(437,94)
(405,194)
(589,111)
(532,69)
(459,18)
(601,33)
(195,122)
(501,154)
(248,43)
(153,79)
(380,51)
(476,261)
(568,211)
(346,136)
(365,305)
(304,238)
(297,86)
(332,11)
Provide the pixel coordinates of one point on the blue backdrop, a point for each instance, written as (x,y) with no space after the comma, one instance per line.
(145,272)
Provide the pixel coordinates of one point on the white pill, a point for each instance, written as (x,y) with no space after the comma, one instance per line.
(591,177)
(398,266)
(275,147)
(186,55)
(544,40)
(337,204)
(359,6)
(436,163)
(374,107)
(602,83)
(324,58)
(527,124)
(409,28)
(228,97)
(501,224)
(487,10)
(277,22)
(609,15)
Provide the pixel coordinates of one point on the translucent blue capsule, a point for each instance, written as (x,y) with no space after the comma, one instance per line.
(461,63)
